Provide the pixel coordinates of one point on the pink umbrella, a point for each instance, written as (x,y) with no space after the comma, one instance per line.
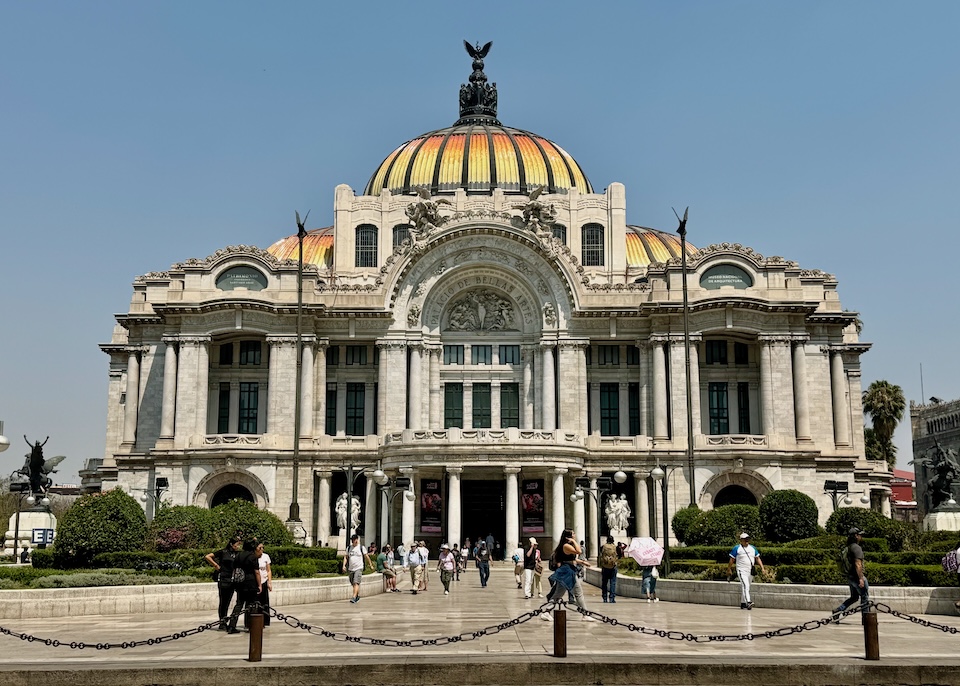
(646,551)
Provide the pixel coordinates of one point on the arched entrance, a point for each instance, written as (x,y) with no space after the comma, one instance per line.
(734,495)
(231,492)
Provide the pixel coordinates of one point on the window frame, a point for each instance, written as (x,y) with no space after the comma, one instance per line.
(365,246)
(592,244)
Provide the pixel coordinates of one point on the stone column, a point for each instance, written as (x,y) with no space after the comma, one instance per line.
(393,376)
(548,383)
(131,408)
(436,390)
(307,384)
(593,521)
(538,389)
(495,405)
(369,409)
(408,513)
(660,409)
(767,422)
(512,506)
(556,512)
(800,402)
(695,405)
(572,380)
(643,504)
(192,373)
(282,386)
(644,383)
(341,408)
(624,410)
(467,405)
(594,390)
(527,353)
(453,505)
(323,509)
(838,384)
(320,386)
(579,519)
(370,511)
(168,409)
(415,418)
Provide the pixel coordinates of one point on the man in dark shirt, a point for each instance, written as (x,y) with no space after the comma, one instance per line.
(856,576)
(223,563)
(248,589)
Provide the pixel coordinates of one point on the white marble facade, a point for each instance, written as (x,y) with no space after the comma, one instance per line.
(482,354)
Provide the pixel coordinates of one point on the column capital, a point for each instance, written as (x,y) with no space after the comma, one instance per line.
(391,344)
(641,474)
(659,338)
(679,338)
(408,471)
(593,473)
(416,345)
(642,343)
(433,349)
(134,349)
(573,343)
(194,340)
(511,469)
(170,338)
(547,345)
(307,339)
(281,340)
(322,343)
(800,337)
(455,470)
(774,339)
(559,471)
(322,473)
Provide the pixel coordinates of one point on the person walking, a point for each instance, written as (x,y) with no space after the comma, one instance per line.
(464,556)
(222,562)
(248,588)
(531,558)
(856,574)
(648,583)
(415,566)
(425,565)
(446,564)
(266,583)
(455,551)
(744,556)
(353,563)
(385,566)
(483,564)
(517,558)
(568,555)
(607,560)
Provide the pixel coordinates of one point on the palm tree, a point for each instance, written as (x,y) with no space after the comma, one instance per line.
(884,402)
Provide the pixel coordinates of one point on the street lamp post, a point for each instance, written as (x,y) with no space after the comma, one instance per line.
(294,517)
(391,488)
(682,230)
(837,488)
(662,474)
(604,486)
(161,486)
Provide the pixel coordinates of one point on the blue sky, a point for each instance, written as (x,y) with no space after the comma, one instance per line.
(136,135)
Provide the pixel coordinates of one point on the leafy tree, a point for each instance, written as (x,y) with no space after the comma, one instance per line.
(788,515)
(181,526)
(682,520)
(885,403)
(723,525)
(243,518)
(99,523)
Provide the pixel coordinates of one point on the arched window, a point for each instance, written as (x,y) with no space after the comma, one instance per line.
(400,234)
(591,245)
(560,231)
(366,245)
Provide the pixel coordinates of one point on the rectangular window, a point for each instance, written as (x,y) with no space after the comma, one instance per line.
(509,405)
(400,233)
(333,356)
(743,406)
(633,397)
(592,245)
(223,409)
(331,410)
(366,237)
(481,406)
(588,355)
(356,395)
(740,353)
(481,354)
(719,408)
(250,353)
(716,352)
(249,401)
(453,354)
(608,355)
(560,231)
(609,409)
(356,354)
(633,356)
(226,354)
(509,354)
(452,405)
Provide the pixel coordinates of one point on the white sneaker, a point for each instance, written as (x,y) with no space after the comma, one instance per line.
(545,616)
(446,593)
(649,600)
(656,600)
(588,619)
(540,595)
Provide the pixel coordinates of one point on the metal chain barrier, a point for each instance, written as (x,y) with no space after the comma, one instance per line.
(546,608)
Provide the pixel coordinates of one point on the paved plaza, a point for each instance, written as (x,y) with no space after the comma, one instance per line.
(468,608)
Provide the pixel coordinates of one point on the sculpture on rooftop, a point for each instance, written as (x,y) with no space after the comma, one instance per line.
(37,468)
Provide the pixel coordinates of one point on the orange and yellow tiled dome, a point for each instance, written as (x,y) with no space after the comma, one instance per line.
(478,157)
(646,246)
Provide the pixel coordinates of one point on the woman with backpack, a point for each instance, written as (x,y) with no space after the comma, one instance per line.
(567,557)
(223,563)
(607,559)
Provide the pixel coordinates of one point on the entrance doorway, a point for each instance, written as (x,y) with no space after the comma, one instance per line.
(483,509)
(231,492)
(734,495)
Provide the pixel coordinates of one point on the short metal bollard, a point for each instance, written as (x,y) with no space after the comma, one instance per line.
(559,633)
(256,637)
(871,637)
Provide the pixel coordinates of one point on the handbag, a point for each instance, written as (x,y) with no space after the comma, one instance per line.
(538,568)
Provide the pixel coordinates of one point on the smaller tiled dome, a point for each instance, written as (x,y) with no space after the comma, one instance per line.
(646,246)
(317,248)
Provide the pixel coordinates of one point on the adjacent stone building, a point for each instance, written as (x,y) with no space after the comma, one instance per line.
(483,322)
(934,423)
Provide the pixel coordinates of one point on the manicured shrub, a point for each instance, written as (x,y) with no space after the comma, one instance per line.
(682,520)
(723,525)
(788,515)
(181,526)
(843,518)
(42,558)
(243,518)
(99,523)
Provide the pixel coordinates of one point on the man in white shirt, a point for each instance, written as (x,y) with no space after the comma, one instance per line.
(353,563)
(745,556)
(415,564)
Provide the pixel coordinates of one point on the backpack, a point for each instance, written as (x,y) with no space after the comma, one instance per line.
(552,562)
(608,557)
(950,563)
(843,560)
(238,576)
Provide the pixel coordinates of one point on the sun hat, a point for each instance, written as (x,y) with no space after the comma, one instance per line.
(744,535)
(533,540)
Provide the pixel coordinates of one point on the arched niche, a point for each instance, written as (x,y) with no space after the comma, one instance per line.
(743,478)
(211,484)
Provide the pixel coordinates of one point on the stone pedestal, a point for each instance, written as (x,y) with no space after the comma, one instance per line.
(942,520)
(342,542)
(29,520)
(620,536)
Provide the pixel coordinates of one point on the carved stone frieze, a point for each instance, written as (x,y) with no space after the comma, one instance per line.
(481,310)
(413,316)
(549,314)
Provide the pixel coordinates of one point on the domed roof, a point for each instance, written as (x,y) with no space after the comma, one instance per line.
(317,247)
(478,153)
(646,246)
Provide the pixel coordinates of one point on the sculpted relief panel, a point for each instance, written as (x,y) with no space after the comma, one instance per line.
(481,310)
